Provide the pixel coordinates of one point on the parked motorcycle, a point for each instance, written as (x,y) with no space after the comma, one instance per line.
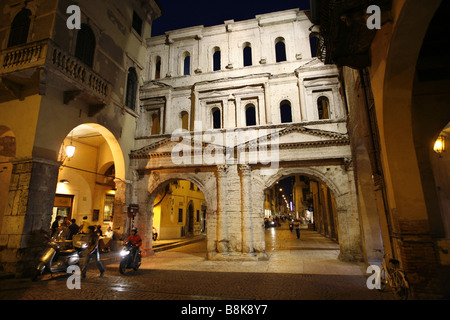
(128,259)
(56,259)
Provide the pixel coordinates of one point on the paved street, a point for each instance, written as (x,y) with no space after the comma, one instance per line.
(305,269)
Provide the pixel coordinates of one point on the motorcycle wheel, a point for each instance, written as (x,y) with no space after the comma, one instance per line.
(138,264)
(39,272)
(123,266)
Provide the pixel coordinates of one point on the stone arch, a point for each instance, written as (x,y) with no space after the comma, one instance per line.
(152,184)
(340,182)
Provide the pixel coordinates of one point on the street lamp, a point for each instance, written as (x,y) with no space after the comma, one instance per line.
(439,145)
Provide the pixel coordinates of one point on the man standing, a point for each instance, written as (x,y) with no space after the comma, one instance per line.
(91,252)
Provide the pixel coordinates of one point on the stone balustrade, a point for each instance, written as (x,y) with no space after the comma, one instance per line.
(45,53)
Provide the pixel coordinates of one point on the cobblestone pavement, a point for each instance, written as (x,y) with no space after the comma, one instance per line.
(305,269)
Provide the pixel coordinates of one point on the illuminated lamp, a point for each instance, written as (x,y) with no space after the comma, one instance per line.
(439,145)
(70,151)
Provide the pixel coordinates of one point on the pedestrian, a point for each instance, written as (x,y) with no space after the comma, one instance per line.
(74,228)
(291,224)
(91,252)
(84,228)
(297,228)
(55,225)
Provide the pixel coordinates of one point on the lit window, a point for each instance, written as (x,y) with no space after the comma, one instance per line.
(323,107)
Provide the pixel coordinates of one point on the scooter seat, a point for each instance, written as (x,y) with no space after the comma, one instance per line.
(67,252)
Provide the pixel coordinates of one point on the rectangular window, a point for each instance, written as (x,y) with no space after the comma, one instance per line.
(180,215)
(108,208)
(137,23)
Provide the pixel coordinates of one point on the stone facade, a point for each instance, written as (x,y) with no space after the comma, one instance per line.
(200,84)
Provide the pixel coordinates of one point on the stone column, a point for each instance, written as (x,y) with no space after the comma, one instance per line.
(28,213)
(222,227)
(120,210)
(246,208)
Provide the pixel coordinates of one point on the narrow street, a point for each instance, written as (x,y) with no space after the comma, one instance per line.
(298,269)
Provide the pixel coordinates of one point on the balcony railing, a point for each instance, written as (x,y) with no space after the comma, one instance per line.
(45,53)
(23,57)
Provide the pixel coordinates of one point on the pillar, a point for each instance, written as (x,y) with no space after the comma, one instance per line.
(27,216)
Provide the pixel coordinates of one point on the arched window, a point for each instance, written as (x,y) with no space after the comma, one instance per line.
(280,49)
(216,119)
(20,28)
(132,86)
(184,120)
(323,107)
(186,64)
(286,111)
(216,59)
(158,67)
(85,46)
(156,129)
(250,115)
(247,53)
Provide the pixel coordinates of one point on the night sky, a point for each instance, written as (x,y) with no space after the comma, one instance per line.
(179,14)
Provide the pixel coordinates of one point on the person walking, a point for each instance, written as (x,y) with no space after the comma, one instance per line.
(297,228)
(91,252)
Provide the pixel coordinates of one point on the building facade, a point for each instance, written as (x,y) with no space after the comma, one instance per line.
(395,82)
(234,109)
(65,87)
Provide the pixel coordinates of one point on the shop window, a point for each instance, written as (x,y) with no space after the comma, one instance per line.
(323,107)
(247,53)
(132,86)
(20,28)
(285,111)
(250,115)
(85,46)
(280,50)
(216,59)
(216,118)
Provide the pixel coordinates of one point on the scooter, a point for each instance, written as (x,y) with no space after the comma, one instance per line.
(128,261)
(55,259)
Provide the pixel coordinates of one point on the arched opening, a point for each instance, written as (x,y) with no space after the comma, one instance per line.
(250,115)
(91,179)
(186,63)
(156,128)
(280,50)
(216,59)
(216,118)
(158,67)
(184,120)
(285,111)
(179,210)
(323,108)
(20,28)
(247,54)
(305,203)
(85,46)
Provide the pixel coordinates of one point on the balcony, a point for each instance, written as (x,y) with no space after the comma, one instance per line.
(34,65)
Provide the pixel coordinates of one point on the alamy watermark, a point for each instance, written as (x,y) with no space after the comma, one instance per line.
(74,280)
(374,280)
